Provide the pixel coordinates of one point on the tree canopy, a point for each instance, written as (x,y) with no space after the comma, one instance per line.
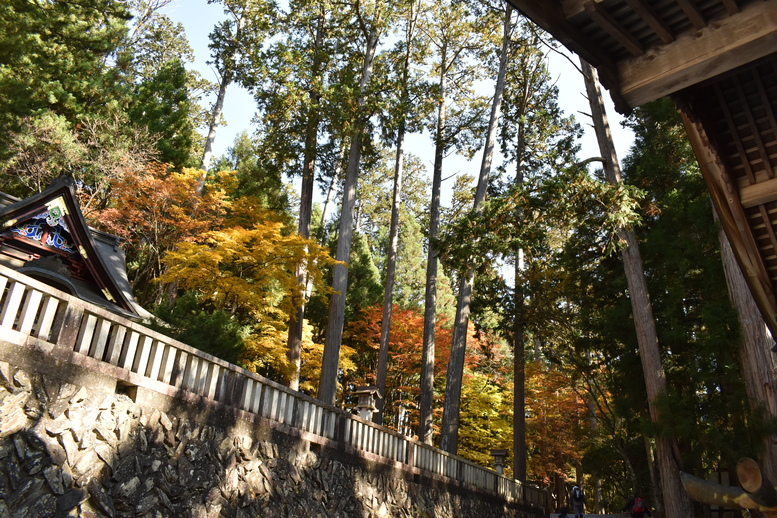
(232,258)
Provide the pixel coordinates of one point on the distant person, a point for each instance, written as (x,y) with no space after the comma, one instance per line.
(578,500)
(563,513)
(637,507)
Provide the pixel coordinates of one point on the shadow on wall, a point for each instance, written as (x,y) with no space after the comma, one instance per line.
(68,450)
(72,444)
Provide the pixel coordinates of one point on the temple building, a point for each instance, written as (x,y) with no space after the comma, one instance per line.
(46,237)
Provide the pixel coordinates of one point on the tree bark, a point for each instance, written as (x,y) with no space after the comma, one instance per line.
(391,263)
(426,399)
(215,120)
(391,267)
(759,369)
(519,321)
(218,108)
(296,323)
(675,500)
(450,421)
(327,390)
(519,379)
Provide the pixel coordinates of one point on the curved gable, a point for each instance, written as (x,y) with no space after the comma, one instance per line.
(46,236)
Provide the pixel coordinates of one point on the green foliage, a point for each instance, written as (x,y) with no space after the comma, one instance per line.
(374,217)
(690,300)
(562,201)
(88,92)
(255,176)
(94,153)
(364,283)
(162,104)
(53,56)
(44,151)
(214,331)
(705,407)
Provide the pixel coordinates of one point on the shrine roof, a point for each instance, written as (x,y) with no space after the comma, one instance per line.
(82,260)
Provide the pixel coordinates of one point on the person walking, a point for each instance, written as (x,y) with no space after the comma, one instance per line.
(578,500)
(637,507)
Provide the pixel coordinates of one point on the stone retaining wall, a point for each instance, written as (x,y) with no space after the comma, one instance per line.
(75,443)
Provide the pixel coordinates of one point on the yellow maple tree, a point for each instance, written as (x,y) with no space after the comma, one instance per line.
(249,271)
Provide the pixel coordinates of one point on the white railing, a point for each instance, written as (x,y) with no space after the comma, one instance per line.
(35,309)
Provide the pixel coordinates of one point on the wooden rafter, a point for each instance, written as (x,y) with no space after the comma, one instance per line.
(731,6)
(733,220)
(693,13)
(766,103)
(759,142)
(652,19)
(735,136)
(599,15)
(767,222)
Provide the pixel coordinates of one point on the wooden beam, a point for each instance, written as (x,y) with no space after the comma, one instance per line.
(733,220)
(758,194)
(712,493)
(651,18)
(692,58)
(602,18)
(731,6)
(755,483)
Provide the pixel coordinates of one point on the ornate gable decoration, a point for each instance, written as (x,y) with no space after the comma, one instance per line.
(49,228)
(46,236)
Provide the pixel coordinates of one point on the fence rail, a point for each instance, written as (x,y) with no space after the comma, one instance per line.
(33,308)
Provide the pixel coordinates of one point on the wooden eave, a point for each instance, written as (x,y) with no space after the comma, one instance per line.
(648,49)
(731,121)
(63,194)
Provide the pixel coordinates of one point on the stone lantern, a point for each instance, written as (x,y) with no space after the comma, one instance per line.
(366,404)
(499,460)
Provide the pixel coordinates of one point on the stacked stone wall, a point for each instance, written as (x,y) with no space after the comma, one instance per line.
(85,446)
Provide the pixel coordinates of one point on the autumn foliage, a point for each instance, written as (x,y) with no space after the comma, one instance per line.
(487,394)
(555,423)
(153,210)
(235,255)
(404,364)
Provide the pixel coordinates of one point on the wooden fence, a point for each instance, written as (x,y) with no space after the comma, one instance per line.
(35,309)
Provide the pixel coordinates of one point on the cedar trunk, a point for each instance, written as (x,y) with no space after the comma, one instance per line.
(675,500)
(450,418)
(327,389)
(759,370)
(426,398)
(296,323)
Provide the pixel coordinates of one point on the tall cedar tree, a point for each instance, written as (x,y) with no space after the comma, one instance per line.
(681,249)
(676,502)
(400,122)
(372,23)
(537,141)
(454,40)
(451,409)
